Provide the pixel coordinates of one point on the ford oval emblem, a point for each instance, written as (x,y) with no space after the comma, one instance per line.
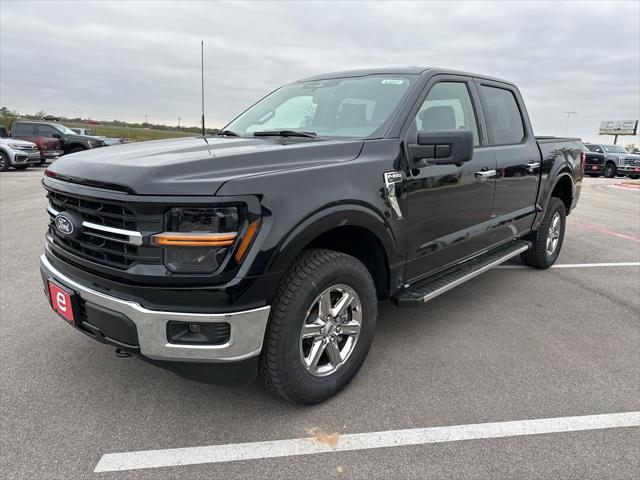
(64,224)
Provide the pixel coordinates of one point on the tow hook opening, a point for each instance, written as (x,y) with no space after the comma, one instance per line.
(121,353)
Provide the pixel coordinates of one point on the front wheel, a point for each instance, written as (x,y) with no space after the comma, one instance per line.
(548,239)
(321,327)
(4,162)
(610,170)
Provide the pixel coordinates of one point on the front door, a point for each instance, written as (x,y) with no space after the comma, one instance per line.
(449,206)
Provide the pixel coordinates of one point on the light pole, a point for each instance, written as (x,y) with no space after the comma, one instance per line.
(566,127)
(179,118)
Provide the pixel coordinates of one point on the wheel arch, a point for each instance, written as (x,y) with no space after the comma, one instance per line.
(352,229)
(563,188)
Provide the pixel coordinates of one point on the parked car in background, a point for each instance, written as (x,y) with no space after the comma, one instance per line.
(593,163)
(89,133)
(49,147)
(70,142)
(83,131)
(618,161)
(50,118)
(18,154)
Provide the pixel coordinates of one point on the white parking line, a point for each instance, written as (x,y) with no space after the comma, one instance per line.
(359,441)
(579,265)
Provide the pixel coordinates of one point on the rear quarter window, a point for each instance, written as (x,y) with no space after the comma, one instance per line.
(503,116)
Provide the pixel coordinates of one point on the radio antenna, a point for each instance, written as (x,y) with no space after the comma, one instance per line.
(202,75)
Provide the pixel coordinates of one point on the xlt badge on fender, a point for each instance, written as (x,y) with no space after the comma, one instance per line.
(390,180)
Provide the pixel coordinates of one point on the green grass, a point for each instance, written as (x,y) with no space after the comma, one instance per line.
(132,133)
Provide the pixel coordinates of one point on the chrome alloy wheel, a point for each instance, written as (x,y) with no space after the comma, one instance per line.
(330,330)
(553,237)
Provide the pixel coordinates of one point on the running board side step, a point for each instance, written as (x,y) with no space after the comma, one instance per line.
(428,288)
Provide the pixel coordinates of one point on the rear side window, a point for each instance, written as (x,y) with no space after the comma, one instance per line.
(23,129)
(503,116)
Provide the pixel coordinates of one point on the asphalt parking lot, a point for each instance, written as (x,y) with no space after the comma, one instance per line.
(513,344)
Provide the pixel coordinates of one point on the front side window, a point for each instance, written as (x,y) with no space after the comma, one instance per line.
(356,107)
(503,116)
(46,130)
(448,106)
(615,149)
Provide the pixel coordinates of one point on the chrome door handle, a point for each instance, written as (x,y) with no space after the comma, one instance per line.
(486,174)
(531,166)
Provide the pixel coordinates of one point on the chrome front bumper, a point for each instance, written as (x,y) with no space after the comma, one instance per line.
(247,327)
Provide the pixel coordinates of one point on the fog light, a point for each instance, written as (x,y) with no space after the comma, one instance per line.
(188,333)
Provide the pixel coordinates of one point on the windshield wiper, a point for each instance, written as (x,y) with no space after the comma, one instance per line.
(227,133)
(284,133)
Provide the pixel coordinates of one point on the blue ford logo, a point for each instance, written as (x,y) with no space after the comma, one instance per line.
(64,224)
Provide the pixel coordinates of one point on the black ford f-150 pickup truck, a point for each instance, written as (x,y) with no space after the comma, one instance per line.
(266,248)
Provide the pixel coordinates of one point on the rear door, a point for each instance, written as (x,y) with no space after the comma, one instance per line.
(449,206)
(517,155)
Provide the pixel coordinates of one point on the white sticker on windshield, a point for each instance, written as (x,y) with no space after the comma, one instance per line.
(392,81)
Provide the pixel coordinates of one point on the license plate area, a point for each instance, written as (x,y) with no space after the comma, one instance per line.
(64,301)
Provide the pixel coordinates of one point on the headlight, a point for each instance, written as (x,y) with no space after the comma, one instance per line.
(198,240)
(17,146)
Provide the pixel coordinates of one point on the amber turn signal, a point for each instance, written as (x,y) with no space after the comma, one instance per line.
(243,248)
(175,239)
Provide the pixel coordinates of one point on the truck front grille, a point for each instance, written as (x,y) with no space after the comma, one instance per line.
(112,232)
(631,161)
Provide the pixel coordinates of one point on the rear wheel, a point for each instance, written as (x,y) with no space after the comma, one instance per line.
(548,239)
(610,170)
(4,162)
(321,327)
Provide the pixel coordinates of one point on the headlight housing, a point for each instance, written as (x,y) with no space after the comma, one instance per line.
(198,240)
(20,146)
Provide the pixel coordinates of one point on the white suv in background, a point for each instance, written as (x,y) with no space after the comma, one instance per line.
(18,154)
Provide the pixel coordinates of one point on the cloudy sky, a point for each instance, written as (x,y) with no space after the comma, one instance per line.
(124,60)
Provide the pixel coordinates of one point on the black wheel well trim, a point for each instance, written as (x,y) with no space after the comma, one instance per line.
(321,222)
(562,174)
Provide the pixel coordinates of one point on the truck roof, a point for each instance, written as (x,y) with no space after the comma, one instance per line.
(413,70)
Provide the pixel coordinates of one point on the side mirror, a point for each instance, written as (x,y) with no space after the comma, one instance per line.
(443,147)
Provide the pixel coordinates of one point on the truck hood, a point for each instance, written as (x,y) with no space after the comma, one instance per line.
(195,165)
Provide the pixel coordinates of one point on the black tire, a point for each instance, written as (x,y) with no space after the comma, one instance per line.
(21,167)
(610,170)
(4,162)
(281,363)
(538,256)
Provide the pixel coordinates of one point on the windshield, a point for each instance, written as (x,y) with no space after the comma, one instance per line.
(615,149)
(65,130)
(343,107)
